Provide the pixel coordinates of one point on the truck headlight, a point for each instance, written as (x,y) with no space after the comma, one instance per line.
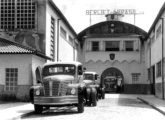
(37,92)
(73,91)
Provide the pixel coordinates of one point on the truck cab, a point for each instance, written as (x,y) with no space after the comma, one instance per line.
(110,83)
(58,84)
(93,87)
(90,78)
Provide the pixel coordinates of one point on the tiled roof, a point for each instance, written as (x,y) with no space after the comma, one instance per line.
(9,47)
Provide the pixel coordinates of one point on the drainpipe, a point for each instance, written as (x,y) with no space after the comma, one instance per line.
(162,58)
(150,68)
(74,48)
(58,32)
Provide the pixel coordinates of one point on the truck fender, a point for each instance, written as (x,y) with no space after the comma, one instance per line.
(93,94)
(31,95)
(88,95)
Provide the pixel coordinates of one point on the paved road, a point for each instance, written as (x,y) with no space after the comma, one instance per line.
(113,107)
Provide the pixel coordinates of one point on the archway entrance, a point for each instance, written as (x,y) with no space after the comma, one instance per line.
(113,79)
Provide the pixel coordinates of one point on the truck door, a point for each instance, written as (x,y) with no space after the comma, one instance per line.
(38,75)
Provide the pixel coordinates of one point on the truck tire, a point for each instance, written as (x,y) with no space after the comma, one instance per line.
(103,93)
(38,109)
(80,106)
(94,97)
(88,96)
(31,95)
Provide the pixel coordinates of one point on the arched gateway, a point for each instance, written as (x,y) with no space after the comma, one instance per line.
(113,79)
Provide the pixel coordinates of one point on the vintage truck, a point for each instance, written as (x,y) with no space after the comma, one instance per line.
(94,88)
(110,84)
(58,84)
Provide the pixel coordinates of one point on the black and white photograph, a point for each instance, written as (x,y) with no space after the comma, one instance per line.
(82,59)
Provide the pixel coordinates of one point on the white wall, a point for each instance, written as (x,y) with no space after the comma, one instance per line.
(65,48)
(119,55)
(22,62)
(127,62)
(127,68)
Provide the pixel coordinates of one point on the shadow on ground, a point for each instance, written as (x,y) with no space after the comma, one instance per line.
(132,103)
(54,111)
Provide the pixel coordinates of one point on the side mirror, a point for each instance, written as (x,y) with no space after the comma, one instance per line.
(38,81)
(80,72)
(96,77)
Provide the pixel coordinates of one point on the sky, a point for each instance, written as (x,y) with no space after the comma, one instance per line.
(75,11)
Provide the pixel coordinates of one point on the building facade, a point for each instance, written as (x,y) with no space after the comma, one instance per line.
(155,53)
(115,48)
(36,26)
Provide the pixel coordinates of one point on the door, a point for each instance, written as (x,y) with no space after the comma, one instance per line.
(153,80)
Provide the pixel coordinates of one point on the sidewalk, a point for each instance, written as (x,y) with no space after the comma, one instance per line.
(14,113)
(154,102)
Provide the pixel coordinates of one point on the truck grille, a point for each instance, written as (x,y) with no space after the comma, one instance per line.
(55,88)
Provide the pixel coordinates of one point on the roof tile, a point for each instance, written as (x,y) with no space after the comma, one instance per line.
(7,47)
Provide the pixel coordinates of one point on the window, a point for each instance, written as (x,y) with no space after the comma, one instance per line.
(95,46)
(70,40)
(152,39)
(17,14)
(135,77)
(112,46)
(158,31)
(149,73)
(129,45)
(52,37)
(59,69)
(158,73)
(11,79)
(62,32)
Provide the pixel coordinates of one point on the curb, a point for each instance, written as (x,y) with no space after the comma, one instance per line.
(153,106)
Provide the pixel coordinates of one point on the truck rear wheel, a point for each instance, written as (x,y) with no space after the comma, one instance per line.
(38,109)
(103,94)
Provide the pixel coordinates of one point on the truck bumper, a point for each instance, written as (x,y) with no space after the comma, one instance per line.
(55,101)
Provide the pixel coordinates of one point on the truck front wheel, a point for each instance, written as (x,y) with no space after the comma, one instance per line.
(80,107)
(38,109)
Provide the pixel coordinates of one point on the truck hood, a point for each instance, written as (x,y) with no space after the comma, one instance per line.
(61,78)
(88,82)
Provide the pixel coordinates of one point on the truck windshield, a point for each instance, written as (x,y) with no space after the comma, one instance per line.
(112,79)
(59,69)
(88,76)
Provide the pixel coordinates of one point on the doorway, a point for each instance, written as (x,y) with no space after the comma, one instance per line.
(153,80)
(113,79)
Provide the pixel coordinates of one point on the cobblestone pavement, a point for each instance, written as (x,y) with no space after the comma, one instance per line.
(113,107)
